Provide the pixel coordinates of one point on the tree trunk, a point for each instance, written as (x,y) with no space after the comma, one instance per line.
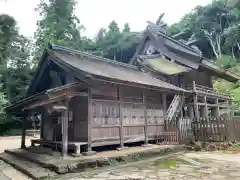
(213,48)
(233,54)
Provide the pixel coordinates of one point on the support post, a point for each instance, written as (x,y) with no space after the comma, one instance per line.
(89,119)
(164,100)
(205,107)
(227,118)
(217,109)
(145,119)
(23,145)
(190,111)
(195,105)
(64,133)
(196,112)
(42,124)
(121,118)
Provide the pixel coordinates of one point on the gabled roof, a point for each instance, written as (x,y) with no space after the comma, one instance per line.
(182,53)
(87,67)
(170,48)
(95,67)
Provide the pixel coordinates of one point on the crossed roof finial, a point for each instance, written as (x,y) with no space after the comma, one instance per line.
(159,20)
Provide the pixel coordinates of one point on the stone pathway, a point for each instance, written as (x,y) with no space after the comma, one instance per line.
(217,166)
(215,169)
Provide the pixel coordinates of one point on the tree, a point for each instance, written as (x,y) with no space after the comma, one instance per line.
(126,28)
(58,25)
(113,44)
(210,27)
(14,58)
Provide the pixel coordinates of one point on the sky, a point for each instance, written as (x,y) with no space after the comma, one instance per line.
(95,14)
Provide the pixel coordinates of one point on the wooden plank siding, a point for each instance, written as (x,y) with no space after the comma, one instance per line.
(109,107)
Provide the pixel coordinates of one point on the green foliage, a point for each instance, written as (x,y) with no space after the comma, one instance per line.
(227,87)
(215,28)
(126,28)
(226,62)
(58,25)
(113,44)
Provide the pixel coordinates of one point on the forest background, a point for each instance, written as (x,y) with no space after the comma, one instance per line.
(214,29)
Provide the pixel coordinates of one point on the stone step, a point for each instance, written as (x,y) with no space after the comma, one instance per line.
(42,160)
(27,167)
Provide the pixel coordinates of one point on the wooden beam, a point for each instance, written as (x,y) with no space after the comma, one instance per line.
(121,117)
(132,84)
(45,102)
(145,118)
(89,119)
(64,119)
(59,107)
(212,95)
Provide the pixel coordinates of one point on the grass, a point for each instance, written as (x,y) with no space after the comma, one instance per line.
(168,163)
(233,149)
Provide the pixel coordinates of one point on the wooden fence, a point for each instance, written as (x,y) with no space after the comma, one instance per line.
(213,129)
(233,128)
(210,129)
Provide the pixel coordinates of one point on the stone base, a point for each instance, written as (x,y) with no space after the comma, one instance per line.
(147,145)
(89,153)
(79,164)
(122,148)
(77,155)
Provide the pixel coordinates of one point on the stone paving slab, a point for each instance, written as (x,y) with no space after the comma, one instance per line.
(216,169)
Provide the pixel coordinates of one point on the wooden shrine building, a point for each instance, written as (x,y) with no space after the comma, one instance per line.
(89,100)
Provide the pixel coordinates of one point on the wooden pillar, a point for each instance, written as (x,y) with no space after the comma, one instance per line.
(195,102)
(64,133)
(121,118)
(42,124)
(89,119)
(227,119)
(23,145)
(205,107)
(164,100)
(217,114)
(145,118)
(190,112)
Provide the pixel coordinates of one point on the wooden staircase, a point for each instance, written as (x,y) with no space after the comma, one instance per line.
(175,107)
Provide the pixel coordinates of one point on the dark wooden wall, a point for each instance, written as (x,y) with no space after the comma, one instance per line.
(108,109)
(79,108)
(47,126)
(201,78)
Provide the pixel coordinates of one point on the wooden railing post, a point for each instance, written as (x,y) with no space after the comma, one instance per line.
(121,118)
(145,118)
(64,133)
(89,119)
(195,105)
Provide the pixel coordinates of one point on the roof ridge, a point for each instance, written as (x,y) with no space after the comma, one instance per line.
(174,40)
(95,57)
